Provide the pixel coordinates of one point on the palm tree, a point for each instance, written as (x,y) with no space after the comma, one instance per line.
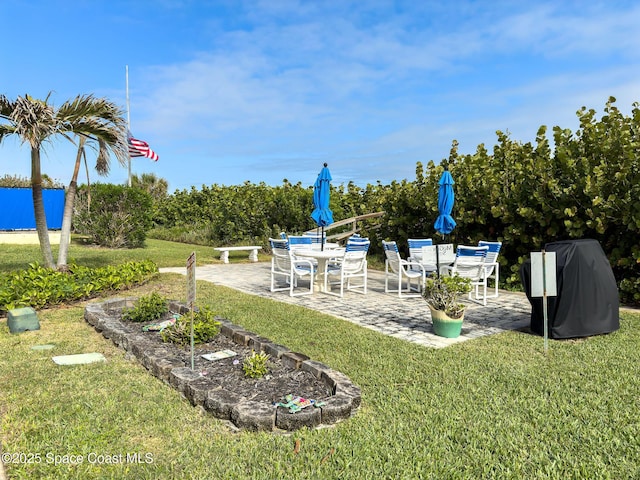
(36,121)
(104,124)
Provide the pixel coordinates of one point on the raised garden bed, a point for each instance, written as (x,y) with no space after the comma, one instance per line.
(220,386)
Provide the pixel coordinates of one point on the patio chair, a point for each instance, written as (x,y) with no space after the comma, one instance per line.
(492,266)
(299,241)
(397,268)
(446,254)
(469,263)
(317,238)
(415,248)
(429,258)
(288,268)
(420,250)
(353,265)
(355,243)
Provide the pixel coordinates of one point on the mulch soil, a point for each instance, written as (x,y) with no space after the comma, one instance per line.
(280,380)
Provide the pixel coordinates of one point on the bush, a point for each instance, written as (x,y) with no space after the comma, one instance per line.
(25,182)
(192,235)
(205,327)
(147,308)
(113,216)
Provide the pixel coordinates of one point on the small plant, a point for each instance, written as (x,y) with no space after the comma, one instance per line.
(255,366)
(442,293)
(147,309)
(205,327)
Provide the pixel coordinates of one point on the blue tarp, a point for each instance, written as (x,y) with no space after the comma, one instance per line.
(16,208)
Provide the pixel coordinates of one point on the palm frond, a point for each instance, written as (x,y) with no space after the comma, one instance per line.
(99,120)
(33,120)
(6,107)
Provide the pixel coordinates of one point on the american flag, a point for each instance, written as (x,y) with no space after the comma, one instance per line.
(138,148)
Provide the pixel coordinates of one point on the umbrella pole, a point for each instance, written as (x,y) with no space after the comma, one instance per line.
(322,240)
(438,258)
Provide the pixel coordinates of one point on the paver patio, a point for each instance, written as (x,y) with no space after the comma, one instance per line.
(407,318)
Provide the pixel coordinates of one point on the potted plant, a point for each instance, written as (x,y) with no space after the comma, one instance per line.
(442,295)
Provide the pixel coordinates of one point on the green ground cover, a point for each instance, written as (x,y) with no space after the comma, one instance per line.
(495,407)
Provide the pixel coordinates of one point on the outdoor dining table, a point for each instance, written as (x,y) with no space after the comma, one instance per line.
(322,256)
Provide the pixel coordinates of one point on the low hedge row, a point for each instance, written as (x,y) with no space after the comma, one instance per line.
(40,287)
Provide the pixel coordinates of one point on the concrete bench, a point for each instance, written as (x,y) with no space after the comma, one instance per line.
(224,252)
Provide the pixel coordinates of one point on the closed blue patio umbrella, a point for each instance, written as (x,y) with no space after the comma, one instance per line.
(322,214)
(445,223)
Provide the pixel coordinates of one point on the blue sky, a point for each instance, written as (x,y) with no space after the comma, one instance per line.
(263,90)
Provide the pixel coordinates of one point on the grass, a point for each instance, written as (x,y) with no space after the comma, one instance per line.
(495,407)
(164,253)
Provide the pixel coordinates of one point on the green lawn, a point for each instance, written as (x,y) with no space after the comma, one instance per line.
(495,407)
(164,253)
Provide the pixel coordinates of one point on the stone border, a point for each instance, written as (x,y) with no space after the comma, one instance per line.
(200,391)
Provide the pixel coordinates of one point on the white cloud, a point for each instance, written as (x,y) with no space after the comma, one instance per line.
(270,89)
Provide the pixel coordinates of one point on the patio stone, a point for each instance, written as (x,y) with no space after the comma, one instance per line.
(254,416)
(307,417)
(220,403)
(198,389)
(407,319)
(337,408)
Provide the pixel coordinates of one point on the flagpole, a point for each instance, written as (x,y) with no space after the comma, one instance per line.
(128,123)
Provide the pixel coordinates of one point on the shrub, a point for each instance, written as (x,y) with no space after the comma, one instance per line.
(113,216)
(255,366)
(205,327)
(25,182)
(147,308)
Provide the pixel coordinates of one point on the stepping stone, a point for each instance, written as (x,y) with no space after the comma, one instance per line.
(79,359)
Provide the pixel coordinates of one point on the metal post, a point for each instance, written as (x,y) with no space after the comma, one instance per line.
(544,302)
(192,343)
(128,124)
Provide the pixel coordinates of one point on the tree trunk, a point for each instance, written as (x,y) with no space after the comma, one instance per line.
(69,200)
(38,209)
(86,167)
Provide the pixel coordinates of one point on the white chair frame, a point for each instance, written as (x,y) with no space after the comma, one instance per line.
(290,268)
(473,268)
(348,268)
(415,249)
(401,269)
(491,264)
